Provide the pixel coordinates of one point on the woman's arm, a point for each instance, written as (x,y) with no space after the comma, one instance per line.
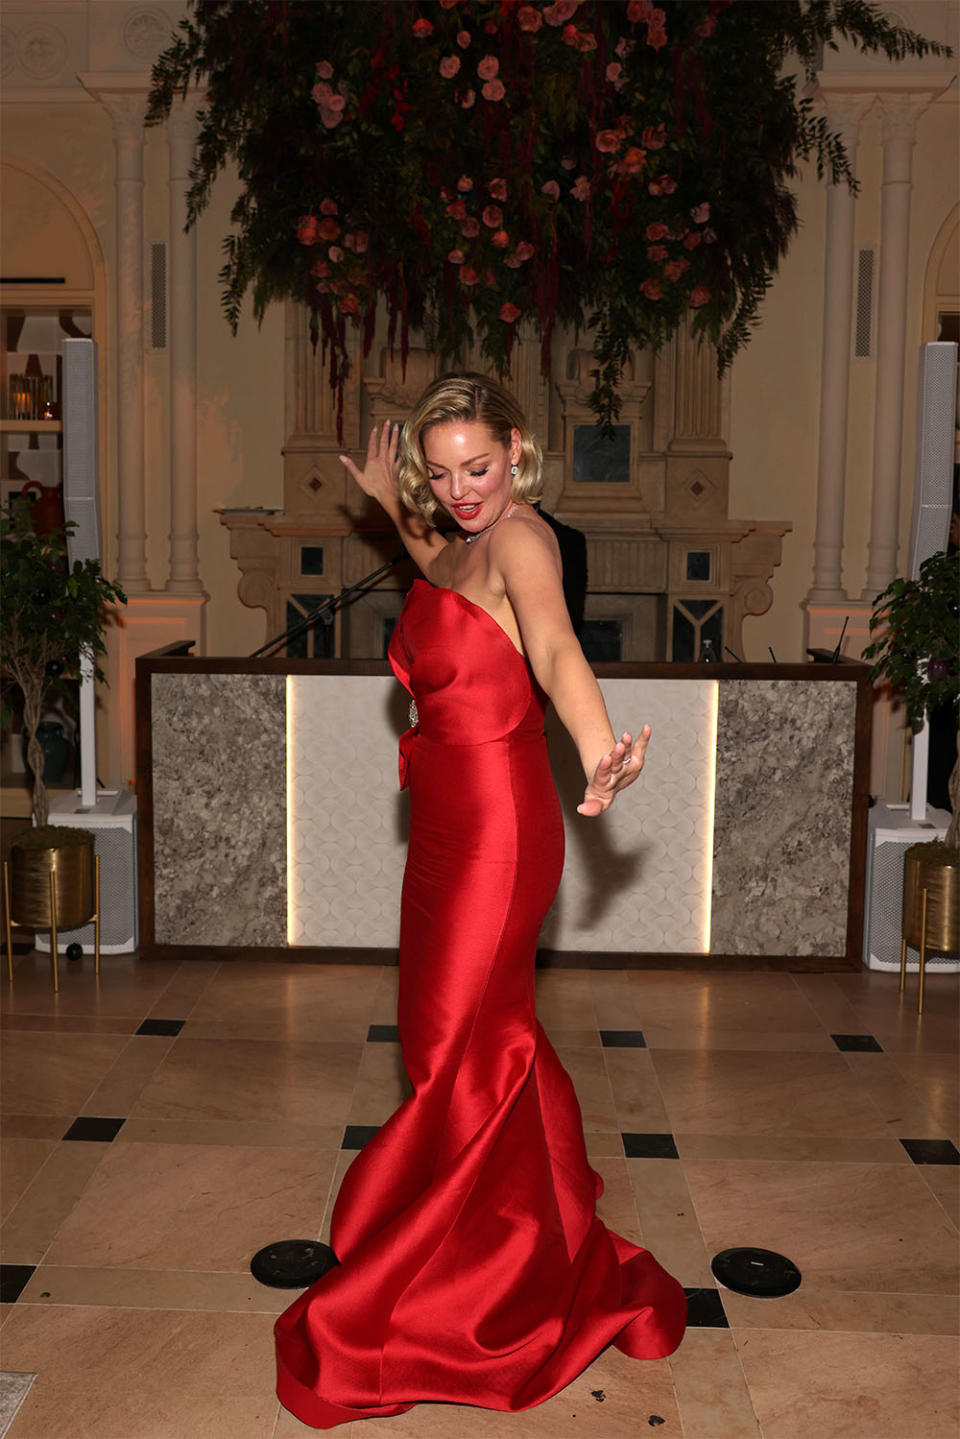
(378,479)
(528,561)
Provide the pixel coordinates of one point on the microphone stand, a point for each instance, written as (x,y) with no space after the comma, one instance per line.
(326,608)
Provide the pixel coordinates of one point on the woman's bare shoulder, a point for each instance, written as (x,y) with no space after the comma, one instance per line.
(524,536)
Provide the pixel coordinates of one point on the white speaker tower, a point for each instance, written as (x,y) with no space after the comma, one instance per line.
(110,814)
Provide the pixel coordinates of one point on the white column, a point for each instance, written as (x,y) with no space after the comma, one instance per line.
(184,577)
(844,112)
(899,115)
(126,109)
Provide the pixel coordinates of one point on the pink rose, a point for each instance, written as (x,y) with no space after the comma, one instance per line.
(525,251)
(464,184)
(633,161)
(608,141)
(493,90)
(422,28)
(654,137)
(330,118)
(360,242)
(706,27)
(657,231)
(657,252)
(349,305)
(551,189)
(700,214)
(613,72)
(586,42)
(329,207)
(488,67)
(328,229)
(709,236)
(623,48)
(322,92)
(307,228)
(324,70)
(319,269)
(470,228)
(463,38)
(498,189)
(501,239)
(509,313)
(335,254)
(457,211)
(652,290)
(569,162)
(560,11)
(699,295)
(675,268)
(580,190)
(449,66)
(492,217)
(469,100)
(571,36)
(691,241)
(528,18)
(662,185)
(456,257)
(512,263)
(468,276)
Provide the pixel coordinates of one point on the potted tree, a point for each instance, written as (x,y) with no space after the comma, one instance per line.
(51,614)
(917,652)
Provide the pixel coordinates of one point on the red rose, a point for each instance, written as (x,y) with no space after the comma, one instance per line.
(657,231)
(493,90)
(633,161)
(307,229)
(656,36)
(488,67)
(456,257)
(328,229)
(422,28)
(699,295)
(639,10)
(468,276)
(654,137)
(328,207)
(528,18)
(691,241)
(657,252)
(501,239)
(457,211)
(492,217)
(608,141)
(675,268)
(349,305)
(498,189)
(652,290)
(509,313)
(470,228)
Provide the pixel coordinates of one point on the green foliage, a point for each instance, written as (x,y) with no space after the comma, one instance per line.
(918,648)
(49,615)
(366,130)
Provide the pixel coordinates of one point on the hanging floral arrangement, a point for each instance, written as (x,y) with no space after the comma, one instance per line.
(611,164)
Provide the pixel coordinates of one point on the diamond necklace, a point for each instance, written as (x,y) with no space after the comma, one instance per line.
(505,515)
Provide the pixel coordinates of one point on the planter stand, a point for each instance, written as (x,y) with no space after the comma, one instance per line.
(51,922)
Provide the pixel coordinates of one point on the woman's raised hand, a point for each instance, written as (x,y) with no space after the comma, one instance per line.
(616,770)
(378,478)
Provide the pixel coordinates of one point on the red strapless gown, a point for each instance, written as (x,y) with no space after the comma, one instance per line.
(473,1267)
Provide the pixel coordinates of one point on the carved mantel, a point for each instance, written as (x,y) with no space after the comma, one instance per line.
(667,566)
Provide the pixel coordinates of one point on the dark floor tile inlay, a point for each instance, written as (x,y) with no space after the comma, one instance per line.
(649,1146)
(161,1026)
(355,1136)
(622,1039)
(383,1034)
(860,1043)
(94,1127)
(932,1151)
(13,1279)
(705,1309)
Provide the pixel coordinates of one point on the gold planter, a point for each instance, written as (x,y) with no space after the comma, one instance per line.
(72,870)
(931,905)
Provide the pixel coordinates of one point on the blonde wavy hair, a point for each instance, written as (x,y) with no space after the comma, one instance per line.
(465,397)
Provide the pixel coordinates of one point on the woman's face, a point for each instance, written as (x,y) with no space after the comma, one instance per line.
(469,471)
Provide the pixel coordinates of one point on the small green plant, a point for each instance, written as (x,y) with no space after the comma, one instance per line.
(918,649)
(51,613)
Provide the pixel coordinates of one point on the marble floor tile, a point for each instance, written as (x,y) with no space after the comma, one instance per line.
(686,999)
(142,1374)
(798,1040)
(48,1201)
(881,1149)
(668,1220)
(829,1002)
(573,1038)
(615,1001)
(305,1002)
(72,1023)
(381,1085)
(252,1080)
(20,1161)
(943,1181)
(216,1292)
(810,1307)
(14,1388)
(637,1098)
(188,981)
(591,1081)
(851,1386)
(564,999)
(127,986)
(152,1206)
(617,1205)
(913,1105)
(731,1092)
(870,1227)
(44,1073)
(264,1133)
(711,1389)
(124,1082)
(601,1144)
(35,1126)
(344,1159)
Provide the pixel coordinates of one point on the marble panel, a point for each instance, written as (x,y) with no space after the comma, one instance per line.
(219,809)
(784,794)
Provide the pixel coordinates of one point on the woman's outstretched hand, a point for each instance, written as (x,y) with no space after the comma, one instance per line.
(378,478)
(615,771)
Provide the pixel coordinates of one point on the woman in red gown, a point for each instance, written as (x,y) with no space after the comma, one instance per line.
(473,1268)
